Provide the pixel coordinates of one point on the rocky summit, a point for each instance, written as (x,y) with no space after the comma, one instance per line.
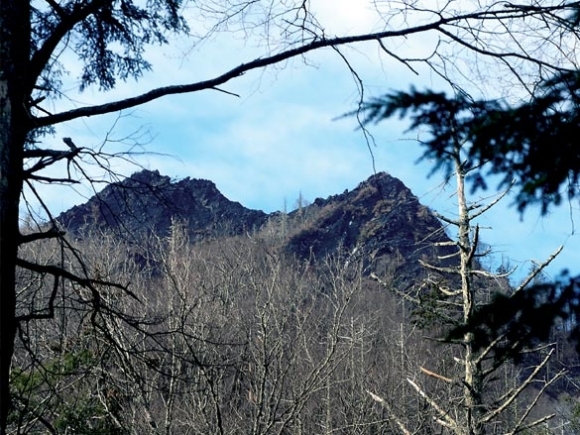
(380,216)
(148,202)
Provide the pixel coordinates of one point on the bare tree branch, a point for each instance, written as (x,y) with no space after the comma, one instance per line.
(317,43)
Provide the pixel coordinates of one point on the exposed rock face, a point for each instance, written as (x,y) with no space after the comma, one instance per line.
(380,217)
(148,202)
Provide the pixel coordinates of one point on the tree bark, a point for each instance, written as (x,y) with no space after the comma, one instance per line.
(14,55)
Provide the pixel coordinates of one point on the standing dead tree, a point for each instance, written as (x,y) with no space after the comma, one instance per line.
(466,399)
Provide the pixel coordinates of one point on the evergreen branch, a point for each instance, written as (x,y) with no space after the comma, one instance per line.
(68,20)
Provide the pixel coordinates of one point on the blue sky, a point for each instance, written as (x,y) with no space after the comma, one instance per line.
(281,137)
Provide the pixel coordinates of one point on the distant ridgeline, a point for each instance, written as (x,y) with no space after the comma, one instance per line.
(380,217)
(148,202)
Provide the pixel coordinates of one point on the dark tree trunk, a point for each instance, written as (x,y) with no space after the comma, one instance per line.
(14,124)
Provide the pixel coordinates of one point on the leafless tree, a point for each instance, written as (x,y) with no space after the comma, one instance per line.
(468,389)
(225,336)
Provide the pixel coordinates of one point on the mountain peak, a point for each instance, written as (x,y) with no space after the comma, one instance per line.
(381,216)
(148,202)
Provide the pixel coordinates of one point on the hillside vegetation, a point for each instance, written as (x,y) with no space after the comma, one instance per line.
(226,320)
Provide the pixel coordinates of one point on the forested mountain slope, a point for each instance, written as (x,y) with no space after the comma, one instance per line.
(230,320)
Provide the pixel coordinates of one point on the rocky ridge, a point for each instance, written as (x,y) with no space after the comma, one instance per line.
(148,203)
(380,217)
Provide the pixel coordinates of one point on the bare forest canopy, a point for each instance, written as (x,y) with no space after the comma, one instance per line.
(234,320)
